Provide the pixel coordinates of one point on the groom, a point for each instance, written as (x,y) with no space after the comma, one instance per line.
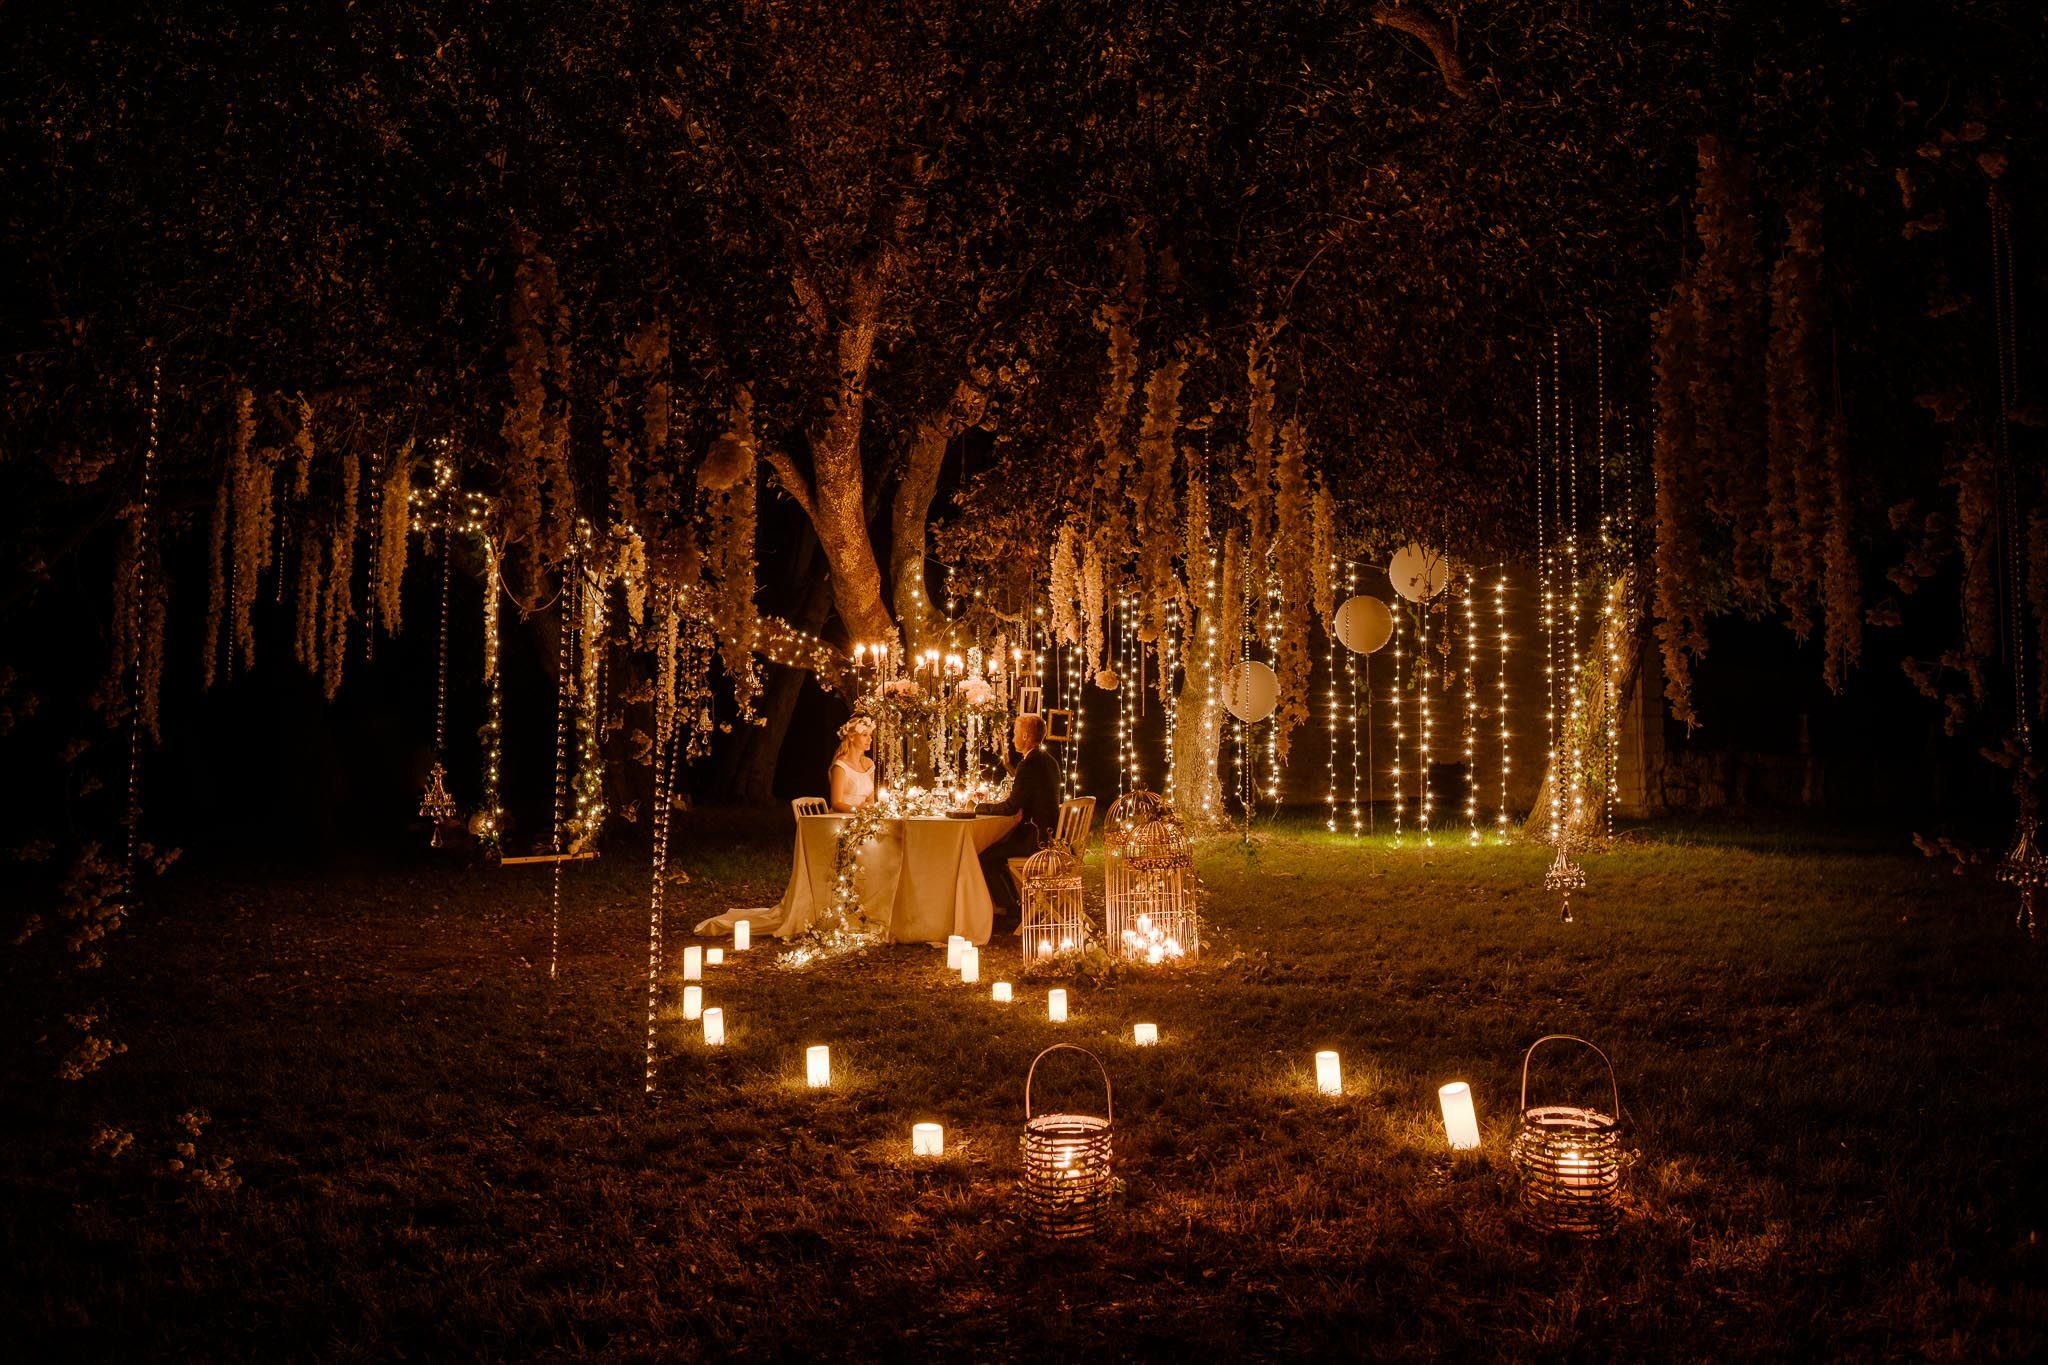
(1034,795)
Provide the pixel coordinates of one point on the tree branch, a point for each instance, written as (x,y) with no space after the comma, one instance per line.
(1434,34)
(791,479)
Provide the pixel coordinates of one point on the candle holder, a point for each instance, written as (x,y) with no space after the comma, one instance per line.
(1055,913)
(1461,1121)
(1329,1074)
(818,1066)
(1000,993)
(1066,1181)
(714,1027)
(970,965)
(693,1003)
(693,963)
(1056,1006)
(742,935)
(1570,1158)
(1148,878)
(927,1139)
(1145,1035)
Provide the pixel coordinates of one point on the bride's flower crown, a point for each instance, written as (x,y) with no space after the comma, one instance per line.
(857,723)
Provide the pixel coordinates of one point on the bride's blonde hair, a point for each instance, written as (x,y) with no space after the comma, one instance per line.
(849,738)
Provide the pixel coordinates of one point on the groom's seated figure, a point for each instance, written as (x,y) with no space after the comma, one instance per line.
(1035,796)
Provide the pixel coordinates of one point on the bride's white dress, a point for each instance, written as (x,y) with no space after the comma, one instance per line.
(859,785)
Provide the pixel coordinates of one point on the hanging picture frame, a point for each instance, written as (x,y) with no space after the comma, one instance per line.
(1058,725)
(1029,699)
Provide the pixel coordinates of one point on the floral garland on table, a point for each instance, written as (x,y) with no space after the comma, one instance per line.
(843,927)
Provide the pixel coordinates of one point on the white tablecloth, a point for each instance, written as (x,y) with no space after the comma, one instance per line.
(918,877)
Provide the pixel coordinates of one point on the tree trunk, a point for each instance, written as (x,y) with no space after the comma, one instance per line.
(910,513)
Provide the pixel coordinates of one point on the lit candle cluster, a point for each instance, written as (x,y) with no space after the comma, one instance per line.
(1142,938)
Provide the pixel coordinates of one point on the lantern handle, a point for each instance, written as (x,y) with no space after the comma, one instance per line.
(1612,1085)
(1108,1102)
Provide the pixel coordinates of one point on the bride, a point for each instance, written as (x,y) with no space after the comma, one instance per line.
(852,775)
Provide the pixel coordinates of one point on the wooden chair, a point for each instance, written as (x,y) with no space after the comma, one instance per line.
(1076,815)
(810,805)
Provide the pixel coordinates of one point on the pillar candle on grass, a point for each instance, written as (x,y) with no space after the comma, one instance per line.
(1145,1035)
(1329,1074)
(927,1139)
(693,1002)
(693,963)
(1461,1122)
(818,1065)
(714,1027)
(714,957)
(954,943)
(1001,992)
(970,964)
(1056,1006)
(742,935)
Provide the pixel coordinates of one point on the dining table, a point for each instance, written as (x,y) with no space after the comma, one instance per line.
(918,878)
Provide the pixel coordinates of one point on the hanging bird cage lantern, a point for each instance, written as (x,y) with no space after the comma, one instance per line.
(1066,1180)
(1148,881)
(1055,918)
(1569,1158)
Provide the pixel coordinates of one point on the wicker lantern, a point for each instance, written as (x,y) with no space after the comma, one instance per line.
(1570,1158)
(1148,880)
(1066,1181)
(1055,917)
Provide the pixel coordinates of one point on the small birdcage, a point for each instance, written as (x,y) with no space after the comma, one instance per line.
(1055,918)
(1569,1158)
(1148,877)
(1066,1180)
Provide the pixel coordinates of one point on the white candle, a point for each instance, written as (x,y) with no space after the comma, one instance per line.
(714,957)
(742,935)
(818,1066)
(954,943)
(1329,1074)
(1461,1122)
(1056,1006)
(714,1027)
(1001,992)
(693,1002)
(1145,1035)
(970,964)
(927,1139)
(693,963)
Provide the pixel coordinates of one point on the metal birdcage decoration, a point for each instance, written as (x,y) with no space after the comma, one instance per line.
(1148,875)
(1066,1180)
(1569,1158)
(1055,918)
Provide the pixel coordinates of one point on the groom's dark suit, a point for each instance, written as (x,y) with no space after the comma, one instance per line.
(1034,795)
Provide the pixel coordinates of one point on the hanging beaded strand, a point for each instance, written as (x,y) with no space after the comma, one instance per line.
(2024,866)
(436,805)
(1330,705)
(1500,620)
(665,744)
(1400,730)
(138,612)
(565,711)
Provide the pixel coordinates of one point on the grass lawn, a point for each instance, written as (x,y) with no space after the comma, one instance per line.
(1832,1055)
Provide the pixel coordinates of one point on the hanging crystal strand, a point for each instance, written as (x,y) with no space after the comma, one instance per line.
(138,614)
(1610,699)
(1330,704)
(1168,664)
(1426,680)
(1121,651)
(1400,729)
(1471,712)
(2023,866)
(565,711)
(665,745)
(1272,635)
(1500,620)
(436,804)
(491,807)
